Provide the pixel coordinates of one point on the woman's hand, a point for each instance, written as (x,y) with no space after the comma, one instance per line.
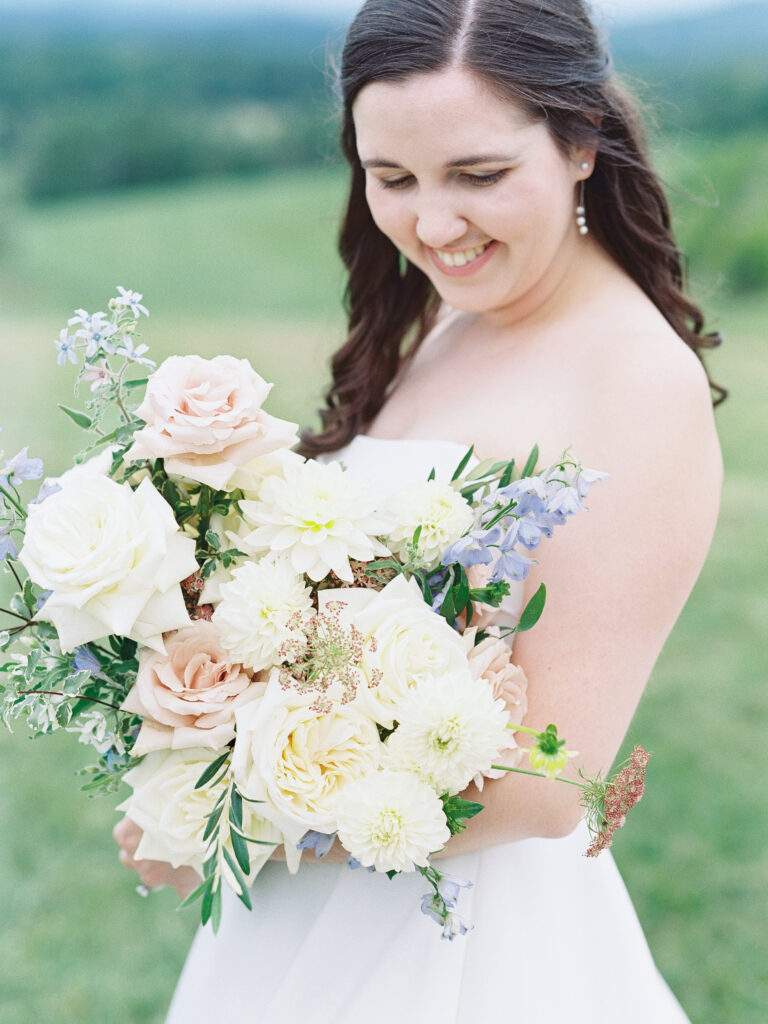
(154,874)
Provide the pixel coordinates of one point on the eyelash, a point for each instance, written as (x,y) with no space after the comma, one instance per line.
(475,179)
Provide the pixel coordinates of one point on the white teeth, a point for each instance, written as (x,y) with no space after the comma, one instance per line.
(460,259)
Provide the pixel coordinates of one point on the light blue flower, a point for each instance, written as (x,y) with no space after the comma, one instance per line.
(450,889)
(472,549)
(21,467)
(85,660)
(66,348)
(42,597)
(133,353)
(511,565)
(586,478)
(8,547)
(132,300)
(453,926)
(433,907)
(48,487)
(320,842)
(564,503)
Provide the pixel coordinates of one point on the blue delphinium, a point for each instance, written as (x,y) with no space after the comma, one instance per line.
(85,660)
(21,467)
(320,842)
(472,549)
(8,547)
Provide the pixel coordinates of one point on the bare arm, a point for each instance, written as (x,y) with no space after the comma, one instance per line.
(617,578)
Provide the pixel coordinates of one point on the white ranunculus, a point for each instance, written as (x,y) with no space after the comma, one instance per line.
(413,645)
(450,729)
(300,761)
(320,516)
(113,559)
(173,814)
(392,820)
(255,610)
(440,511)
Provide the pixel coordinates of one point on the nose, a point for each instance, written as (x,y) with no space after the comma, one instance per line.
(438,223)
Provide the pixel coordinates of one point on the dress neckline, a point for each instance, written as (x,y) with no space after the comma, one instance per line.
(410,440)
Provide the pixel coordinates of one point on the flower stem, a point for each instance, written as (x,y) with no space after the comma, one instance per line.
(538,775)
(75,696)
(16,504)
(7,611)
(523,728)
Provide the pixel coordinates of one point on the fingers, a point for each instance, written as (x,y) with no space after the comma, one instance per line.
(127,834)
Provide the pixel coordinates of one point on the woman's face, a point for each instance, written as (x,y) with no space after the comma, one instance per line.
(469,189)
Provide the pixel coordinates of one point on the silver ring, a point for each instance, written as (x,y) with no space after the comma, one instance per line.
(144,891)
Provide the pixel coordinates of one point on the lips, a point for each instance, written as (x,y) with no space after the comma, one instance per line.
(463,262)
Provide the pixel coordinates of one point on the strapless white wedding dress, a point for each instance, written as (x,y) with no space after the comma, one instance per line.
(555,935)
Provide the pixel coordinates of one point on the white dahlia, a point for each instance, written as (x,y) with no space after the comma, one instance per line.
(257,609)
(391,820)
(438,509)
(320,516)
(450,729)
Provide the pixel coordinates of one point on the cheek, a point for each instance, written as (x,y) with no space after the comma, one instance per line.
(390,217)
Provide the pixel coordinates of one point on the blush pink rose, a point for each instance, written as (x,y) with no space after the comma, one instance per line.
(491,661)
(204,419)
(189,695)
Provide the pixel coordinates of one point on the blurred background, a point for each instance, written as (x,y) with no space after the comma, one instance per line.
(191,155)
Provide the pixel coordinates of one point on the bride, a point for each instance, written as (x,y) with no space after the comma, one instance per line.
(512,281)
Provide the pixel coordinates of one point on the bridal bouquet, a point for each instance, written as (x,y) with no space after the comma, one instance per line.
(262,651)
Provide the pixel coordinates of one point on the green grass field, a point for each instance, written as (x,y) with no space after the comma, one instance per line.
(248,268)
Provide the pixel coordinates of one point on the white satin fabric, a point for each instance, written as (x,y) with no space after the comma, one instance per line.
(555,935)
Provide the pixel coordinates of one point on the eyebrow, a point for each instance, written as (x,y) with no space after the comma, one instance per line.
(467,161)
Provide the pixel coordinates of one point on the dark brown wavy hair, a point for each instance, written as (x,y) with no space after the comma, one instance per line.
(547,57)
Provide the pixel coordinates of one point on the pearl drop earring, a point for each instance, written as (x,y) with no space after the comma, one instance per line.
(581,212)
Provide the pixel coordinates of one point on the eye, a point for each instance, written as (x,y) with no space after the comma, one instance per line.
(396,182)
(485,179)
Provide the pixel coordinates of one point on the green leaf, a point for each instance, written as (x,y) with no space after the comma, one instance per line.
(213,821)
(506,477)
(463,464)
(431,474)
(236,809)
(457,811)
(212,769)
(238,875)
(195,896)
(79,418)
(207,907)
(131,385)
(240,847)
(213,540)
(171,493)
(530,465)
(532,611)
(216,908)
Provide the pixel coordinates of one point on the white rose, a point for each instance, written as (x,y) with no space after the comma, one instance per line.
(440,511)
(173,814)
(413,644)
(204,419)
(300,761)
(113,559)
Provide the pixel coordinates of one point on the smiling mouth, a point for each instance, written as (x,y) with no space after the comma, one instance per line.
(462,258)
